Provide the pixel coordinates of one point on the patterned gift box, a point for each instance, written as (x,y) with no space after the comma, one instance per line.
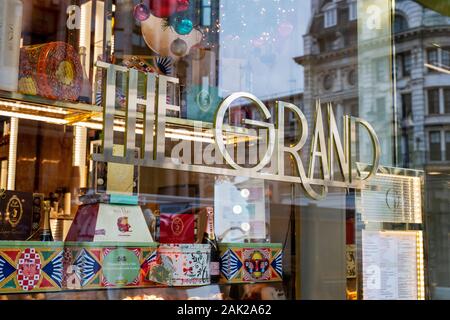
(30,266)
(181,265)
(95,265)
(251,262)
(53,266)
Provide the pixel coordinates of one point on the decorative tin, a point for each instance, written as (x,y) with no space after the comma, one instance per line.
(30,266)
(52,70)
(181,265)
(106,265)
(55,266)
(251,262)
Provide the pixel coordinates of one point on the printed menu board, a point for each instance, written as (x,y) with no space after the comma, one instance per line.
(390,265)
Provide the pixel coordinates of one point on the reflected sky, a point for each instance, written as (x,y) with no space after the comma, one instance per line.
(258,41)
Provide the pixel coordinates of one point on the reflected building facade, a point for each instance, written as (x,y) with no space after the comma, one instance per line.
(334,58)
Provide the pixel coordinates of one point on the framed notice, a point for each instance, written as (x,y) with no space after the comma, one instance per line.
(392,265)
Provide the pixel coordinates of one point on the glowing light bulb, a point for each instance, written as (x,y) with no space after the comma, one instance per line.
(237,209)
(245,226)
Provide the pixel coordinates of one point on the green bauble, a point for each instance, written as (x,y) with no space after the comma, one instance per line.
(183,26)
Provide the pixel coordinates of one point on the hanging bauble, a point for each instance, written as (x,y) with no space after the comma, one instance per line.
(141,12)
(183,26)
(182,5)
(285,29)
(163,8)
(159,39)
(178,47)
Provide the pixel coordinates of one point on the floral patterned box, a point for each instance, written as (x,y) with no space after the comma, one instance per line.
(181,265)
(251,262)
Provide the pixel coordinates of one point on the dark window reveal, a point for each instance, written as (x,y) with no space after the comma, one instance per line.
(435,146)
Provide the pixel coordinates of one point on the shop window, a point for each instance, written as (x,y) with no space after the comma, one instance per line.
(433,101)
(330,18)
(406,105)
(447,145)
(352,10)
(435,146)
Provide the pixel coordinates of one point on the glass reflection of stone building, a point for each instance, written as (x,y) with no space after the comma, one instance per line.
(421,139)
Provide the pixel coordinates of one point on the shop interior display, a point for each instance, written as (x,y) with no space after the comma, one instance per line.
(51,70)
(74,227)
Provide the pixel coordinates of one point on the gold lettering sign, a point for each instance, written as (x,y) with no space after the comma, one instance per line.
(271,166)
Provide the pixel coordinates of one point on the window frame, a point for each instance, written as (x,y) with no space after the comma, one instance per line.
(352,10)
(330,16)
(428,91)
(407,110)
(404,25)
(447,144)
(430,153)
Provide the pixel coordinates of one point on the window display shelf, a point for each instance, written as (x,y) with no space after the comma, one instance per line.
(13,104)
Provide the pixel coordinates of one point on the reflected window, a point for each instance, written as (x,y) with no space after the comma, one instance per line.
(447,100)
(404,64)
(445,57)
(435,146)
(400,23)
(351,78)
(206,13)
(447,145)
(352,10)
(406,105)
(328,82)
(330,17)
(433,101)
(432,55)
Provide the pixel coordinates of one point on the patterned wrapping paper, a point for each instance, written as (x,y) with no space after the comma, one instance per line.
(251,262)
(55,266)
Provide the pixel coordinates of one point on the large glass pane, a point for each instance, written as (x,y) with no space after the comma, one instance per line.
(224,149)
